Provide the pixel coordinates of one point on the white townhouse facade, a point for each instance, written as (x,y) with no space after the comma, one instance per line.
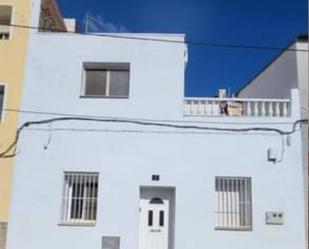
(113,156)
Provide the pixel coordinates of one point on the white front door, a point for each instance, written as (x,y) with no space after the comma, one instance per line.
(154,217)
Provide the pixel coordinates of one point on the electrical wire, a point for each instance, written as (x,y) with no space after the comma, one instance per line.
(134,131)
(5,154)
(224,45)
(60,114)
(138,131)
(126,37)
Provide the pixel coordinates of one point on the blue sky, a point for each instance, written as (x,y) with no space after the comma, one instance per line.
(250,22)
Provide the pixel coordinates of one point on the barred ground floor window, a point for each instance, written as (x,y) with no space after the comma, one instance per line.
(234,205)
(80,193)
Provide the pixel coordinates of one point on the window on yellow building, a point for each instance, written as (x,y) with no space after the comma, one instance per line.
(5,22)
(1,99)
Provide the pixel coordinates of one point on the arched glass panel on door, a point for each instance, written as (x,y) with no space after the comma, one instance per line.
(156,201)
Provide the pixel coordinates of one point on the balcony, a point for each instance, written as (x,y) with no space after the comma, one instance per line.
(237,107)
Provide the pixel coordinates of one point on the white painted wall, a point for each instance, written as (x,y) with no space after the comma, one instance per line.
(126,161)
(302,76)
(187,162)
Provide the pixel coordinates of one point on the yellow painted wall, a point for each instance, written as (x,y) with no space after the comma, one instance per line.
(12,64)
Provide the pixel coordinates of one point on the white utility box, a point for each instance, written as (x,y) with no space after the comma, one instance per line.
(274,218)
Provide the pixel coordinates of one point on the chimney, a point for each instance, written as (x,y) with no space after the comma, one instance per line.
(70,24)
(222,93)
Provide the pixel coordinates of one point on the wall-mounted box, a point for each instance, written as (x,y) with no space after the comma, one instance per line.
(274,218)
(110,242)
(272,154)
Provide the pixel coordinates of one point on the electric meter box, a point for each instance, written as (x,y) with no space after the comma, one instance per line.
(274,218)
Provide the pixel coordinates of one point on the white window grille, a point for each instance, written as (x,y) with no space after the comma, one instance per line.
(1,99)
(106,80)
(234,206)
(80,195)
(5,22)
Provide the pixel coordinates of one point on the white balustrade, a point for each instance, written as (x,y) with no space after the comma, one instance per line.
(237,107)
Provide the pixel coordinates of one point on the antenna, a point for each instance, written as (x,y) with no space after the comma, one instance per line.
(229,94)
(86,22)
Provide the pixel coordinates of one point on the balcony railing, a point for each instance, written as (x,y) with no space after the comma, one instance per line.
(237,107)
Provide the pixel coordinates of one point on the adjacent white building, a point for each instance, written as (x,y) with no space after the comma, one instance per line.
(116,157)
(288,70)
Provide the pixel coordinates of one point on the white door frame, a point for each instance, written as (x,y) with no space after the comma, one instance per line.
(157,217)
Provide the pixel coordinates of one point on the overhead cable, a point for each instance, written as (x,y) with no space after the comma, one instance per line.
(148,39)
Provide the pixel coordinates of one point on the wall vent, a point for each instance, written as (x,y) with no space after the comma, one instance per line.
(110,242)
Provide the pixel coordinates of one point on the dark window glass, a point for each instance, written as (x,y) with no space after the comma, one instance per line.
(150,218)
(96,82)
(119,83)
(91,202)
(161,218)
(156,201)
(77,200)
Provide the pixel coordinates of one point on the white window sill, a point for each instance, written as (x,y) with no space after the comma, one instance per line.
(78,223)
(241,229)
(103,97)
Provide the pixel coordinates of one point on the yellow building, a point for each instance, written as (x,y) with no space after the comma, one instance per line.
(13,46)
(13,50)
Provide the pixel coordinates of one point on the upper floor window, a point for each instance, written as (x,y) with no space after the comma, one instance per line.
(5,22)
(1,99)
(106,79)
(80,195)
(234,209)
